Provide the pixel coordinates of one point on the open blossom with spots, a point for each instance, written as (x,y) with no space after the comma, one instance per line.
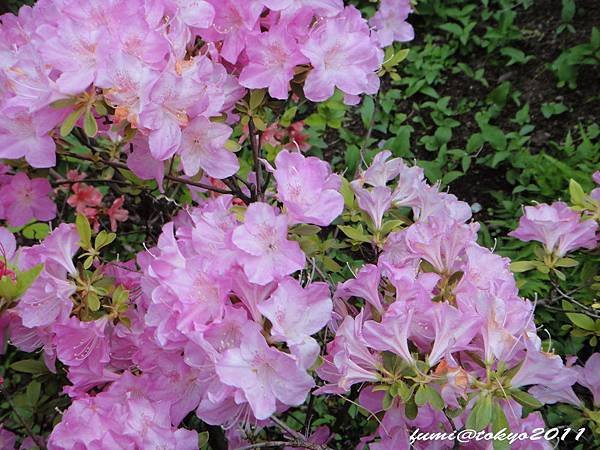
(560,229)
(25,199)
(296,313)
(263,373)
(349,64)
(273,57)
(307,188)
(266,254)
(204,148)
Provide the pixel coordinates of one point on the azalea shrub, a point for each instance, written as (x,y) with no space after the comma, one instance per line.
(179,269)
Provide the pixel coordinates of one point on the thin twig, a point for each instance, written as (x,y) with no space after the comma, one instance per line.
(120,165)
(254,135)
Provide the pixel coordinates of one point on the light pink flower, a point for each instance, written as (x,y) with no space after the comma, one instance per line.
(204,147)
(390,22)
(266,253)
(375,202)
(296,313)
(272,58)
(26,199)
(78,342)
(26,135)
(589,376)
(557,227)
(308,189)
(350,63)
(263,373)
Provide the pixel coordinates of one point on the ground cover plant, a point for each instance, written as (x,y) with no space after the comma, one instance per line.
(299,224)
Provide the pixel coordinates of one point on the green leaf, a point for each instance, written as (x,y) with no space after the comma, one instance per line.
(522,266)
(566,262)
(103,239)
(69,123)
(481,414)
(256,98)
(11,290)
(32,366)
(203,439)
(88,262)
(494,135)
(421,396)
(499,423)
(33,393)
(367,110)
(90,126)
(93,301)
(36,231)
(85,231)
(411,409)
(434,398)
(356,234)
(576,192)
(525,399)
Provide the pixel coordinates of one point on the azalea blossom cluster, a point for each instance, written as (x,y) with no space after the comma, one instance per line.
(438,321)
(193,334)
(173,70)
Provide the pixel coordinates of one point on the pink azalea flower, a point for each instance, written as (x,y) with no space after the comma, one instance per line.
(541,368)
(350,63)
(390,22)
(172,101)
(273,57)
(78,342)
(589,376)
(557,227)
(26,135)
(296,313)
(392,333)
(266,253)
(142,164)
(116,213)
(440,241)
(26,199)
(365,286)
(73,50)
(234,22)
(204,147)
(308,189)
(263,373)
(375,202)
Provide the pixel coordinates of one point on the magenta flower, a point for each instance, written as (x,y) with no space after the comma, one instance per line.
(272,59)
(296,313)
(308,189)
(266,253)
(390,22)
(25,200)
(557,227)
(204,147)
(350,63)
(263,373)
